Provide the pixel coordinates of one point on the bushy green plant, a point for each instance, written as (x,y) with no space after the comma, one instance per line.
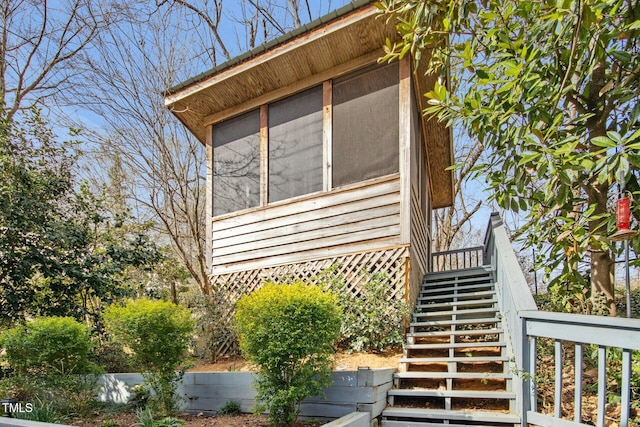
(44,412)
(373,321)
(145,418)
(49,346)
(289,332)
(51,362)
(113,358)
(158,333)
(140,396)
(231,407)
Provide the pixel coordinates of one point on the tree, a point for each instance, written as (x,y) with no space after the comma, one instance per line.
(59,253)
(159,165)
(551,90)
(41,44)
(453,224)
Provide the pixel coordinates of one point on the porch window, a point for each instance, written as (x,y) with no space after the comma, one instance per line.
(236,163)
(365,125)
(295,145)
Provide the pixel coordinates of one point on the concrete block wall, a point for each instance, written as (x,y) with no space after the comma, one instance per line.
(364,390)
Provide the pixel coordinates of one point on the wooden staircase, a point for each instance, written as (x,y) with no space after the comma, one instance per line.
(455,369)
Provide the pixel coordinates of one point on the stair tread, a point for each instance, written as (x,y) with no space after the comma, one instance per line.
(456,322)
(456,375)
(432,286)
(457,303)
(456,312)
(491,331)
(455,345)
(413,423)
(434,282)
(451,415)
(467,291)
(456,359)
(455,290)
(478,394)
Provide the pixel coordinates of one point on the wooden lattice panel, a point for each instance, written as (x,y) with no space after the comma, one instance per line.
(393,262)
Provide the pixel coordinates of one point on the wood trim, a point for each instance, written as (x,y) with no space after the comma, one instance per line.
(306,256)
(209,196)
(264,155)
(327,133)
(347,67)
(404,140)
(283,49)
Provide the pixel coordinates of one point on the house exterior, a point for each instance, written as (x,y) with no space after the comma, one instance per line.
(318,156)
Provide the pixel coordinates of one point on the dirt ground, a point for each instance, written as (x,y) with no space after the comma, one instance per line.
(342,362)
(246,420)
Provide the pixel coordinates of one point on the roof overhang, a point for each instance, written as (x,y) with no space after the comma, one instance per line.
(342,40)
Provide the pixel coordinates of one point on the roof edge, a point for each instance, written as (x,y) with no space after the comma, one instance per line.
(264,47)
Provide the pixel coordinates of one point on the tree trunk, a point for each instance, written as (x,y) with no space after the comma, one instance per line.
(602,279)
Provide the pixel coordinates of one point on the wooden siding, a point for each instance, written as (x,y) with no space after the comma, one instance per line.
(419,251)
(357,218)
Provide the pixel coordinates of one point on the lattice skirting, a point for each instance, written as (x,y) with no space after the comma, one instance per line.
(393,262)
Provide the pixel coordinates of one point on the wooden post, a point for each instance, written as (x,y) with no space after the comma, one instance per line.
(264,155)
(209,198)
(327,137)
(404,141)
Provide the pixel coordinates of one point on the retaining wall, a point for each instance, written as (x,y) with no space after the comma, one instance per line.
(364,390)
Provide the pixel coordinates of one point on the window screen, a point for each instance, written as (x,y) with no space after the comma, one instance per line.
(236,163)
(295,145)
(365,125)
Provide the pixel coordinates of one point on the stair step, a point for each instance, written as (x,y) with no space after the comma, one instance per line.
(457,303)
(468,312)
(461,296)
(455,345)
(396,423)
(457,333)
(455,375)
(456,359)
(464,394)
(441,414)
(429,283)
(455,322)
(432,282)
(470,272)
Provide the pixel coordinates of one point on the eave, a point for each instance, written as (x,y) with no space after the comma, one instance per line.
(337,42)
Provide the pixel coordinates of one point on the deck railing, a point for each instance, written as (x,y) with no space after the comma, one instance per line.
(458,259)
(525,325)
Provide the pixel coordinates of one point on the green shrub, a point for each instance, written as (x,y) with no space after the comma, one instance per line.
(232,407)
(51,362)
(158,333)
(289,332)
(113,358)
(42,412)
(372,321)
(49,346)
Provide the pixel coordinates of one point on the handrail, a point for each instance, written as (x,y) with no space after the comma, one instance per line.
(458,259)
(581,331)
(524,324)
(514,297)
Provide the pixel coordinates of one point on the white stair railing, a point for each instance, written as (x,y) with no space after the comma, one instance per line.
(524,325)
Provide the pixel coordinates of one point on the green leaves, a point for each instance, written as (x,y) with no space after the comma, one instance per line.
(289,332)
(558,116)
(59,248)
(158,333)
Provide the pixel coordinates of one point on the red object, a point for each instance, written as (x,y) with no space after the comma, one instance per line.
(623,214)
